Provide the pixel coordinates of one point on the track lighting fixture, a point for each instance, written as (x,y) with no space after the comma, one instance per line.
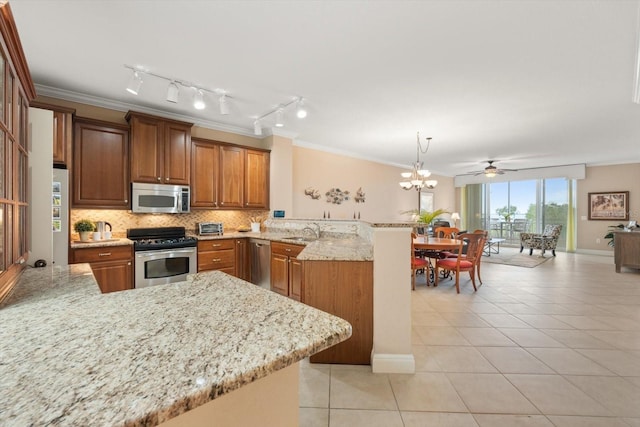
(173,95)
(279,118)
(198,100)
(224,107)
(134,83)
(173,92)
(301,112)
(257,129)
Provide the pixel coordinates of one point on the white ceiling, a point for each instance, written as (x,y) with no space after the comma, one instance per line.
(528,83)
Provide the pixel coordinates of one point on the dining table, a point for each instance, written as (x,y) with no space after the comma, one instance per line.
(437,244)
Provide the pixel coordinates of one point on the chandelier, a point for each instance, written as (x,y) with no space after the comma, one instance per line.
(417,177)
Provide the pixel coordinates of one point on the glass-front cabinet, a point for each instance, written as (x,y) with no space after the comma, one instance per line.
(16,91)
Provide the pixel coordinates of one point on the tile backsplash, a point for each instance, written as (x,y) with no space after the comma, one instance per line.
(121,220)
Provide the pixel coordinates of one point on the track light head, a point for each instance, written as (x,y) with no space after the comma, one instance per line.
(301,112)
(134,83)
(279,118)
(173,92)
(224,106)
(257,129)
(198,100)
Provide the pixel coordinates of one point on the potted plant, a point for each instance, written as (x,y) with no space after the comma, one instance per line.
(84,227)
(613,228)
(427,217)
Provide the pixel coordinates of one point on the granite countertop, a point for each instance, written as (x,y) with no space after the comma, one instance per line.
(328,248)
(73,356)
(76,244)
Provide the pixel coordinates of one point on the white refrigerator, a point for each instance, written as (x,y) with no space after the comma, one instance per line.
(60,217)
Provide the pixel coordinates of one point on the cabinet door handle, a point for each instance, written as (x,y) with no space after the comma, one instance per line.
(126,201)
(217,259)
(166,179)
(159,179)
(105,254)
(128,263)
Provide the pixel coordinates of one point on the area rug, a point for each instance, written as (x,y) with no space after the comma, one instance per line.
(511,256)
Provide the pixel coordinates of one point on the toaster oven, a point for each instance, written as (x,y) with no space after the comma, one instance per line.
(210,228)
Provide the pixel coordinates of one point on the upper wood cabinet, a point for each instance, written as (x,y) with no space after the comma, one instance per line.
(62,132)
(231,182)
(226,176)
(256,179)
(160,149)
(100,165)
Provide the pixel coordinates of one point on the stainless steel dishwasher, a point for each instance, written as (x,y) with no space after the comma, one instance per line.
(261,262)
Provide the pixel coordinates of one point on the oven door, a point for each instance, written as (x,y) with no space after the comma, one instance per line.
(164,266)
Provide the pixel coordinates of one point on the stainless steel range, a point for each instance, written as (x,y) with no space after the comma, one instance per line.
(162,255)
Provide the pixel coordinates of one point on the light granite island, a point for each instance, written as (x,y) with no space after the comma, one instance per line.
(70,355)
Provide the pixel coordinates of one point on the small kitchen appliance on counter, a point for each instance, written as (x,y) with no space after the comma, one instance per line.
(162,255)
(209,228)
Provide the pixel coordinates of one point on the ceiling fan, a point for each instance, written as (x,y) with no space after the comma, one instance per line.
(491,171)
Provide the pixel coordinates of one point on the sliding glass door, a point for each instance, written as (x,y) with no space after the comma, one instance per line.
(507,209)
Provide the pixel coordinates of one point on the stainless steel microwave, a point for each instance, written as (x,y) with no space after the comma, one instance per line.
(159,198)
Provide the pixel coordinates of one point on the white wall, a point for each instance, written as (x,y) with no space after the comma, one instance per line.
(281,174)
(40,177)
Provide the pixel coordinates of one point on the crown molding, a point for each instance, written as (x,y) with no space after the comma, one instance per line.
(96,101)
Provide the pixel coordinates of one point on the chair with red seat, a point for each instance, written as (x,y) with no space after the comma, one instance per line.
(467,262)
(417,263)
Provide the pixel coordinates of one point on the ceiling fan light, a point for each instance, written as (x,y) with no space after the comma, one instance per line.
(134,83)
(198,100)
(490,174)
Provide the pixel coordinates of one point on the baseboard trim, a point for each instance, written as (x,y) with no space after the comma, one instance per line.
(393,363)
(595,252)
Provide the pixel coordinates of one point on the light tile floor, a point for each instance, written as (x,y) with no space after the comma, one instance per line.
(555,345)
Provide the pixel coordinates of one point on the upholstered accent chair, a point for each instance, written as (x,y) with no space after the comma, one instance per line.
(547,240)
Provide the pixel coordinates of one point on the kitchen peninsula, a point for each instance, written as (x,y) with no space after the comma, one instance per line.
(74,356)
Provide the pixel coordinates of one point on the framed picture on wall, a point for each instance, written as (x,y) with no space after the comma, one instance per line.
(425,201)
(612,205)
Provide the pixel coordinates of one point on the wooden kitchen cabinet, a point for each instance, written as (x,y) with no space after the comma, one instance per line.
(226,176)
(286,270)
(345,289)
(242,259)
(62,132)
(256,179)
(160,149)
(231,177)
(100,165)
(112,266)
(217,254)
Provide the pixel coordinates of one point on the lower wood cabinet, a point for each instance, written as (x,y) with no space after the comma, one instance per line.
(112,266)
(286,270)
(217,254)
(345,289)
(242,259)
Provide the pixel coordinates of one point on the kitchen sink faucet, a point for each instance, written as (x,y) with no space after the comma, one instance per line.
(316,232)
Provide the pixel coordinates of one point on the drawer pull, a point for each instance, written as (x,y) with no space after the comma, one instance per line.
(217,259)
(288,250)
(216,245)
(105,254)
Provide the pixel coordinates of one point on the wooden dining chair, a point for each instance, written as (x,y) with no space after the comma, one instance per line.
(417,263)
(466,262)
(446,232)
